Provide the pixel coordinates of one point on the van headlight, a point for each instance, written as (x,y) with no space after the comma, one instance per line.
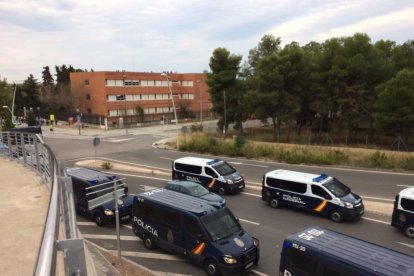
(229,260)
(256,242)
(349,205)
(108,212)
(229,181)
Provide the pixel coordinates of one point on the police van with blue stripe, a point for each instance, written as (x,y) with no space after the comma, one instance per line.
(403,212)
(320,194)
(210,236)
(214,174)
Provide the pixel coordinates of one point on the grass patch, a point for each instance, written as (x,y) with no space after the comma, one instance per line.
(299,154)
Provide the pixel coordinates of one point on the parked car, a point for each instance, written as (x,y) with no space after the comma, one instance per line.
(196,190)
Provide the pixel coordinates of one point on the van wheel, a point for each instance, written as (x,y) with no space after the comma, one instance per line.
(99,220)
(148,242)
(336,216)
(274,203)
(409,231)
(222,190)
(211,268)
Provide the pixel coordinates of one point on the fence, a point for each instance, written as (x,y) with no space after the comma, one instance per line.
(31,150)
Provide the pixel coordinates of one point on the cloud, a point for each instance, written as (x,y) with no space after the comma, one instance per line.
(175,35)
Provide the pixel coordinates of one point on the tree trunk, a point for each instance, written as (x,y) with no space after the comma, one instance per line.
(274,129)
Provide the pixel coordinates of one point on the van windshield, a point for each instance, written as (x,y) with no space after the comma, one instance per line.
(221,224)
(337,188)
(224,168)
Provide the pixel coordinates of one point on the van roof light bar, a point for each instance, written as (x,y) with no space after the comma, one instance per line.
(320,178)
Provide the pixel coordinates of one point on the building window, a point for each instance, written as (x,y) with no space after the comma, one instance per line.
(132,83)
(89,111)
(86,82)
(88,96)
(120,97)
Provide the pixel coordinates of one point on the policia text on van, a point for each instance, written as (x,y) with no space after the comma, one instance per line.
(320,252)
(214,174)
(320,194)
(209,236)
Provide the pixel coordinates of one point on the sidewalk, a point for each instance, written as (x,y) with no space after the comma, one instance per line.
(24,200)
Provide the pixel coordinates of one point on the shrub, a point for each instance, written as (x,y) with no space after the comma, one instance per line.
(239,141)
(407,163)
(196,128)
(106,165)
(378,159)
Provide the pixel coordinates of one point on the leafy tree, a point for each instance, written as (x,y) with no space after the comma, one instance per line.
(140,112)
(225,68)
(5,98)
(47,95)
(395,104)
(30,91)
(404,55)
(64,100)
(31,119)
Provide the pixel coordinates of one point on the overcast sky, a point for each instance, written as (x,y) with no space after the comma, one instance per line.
(180,36)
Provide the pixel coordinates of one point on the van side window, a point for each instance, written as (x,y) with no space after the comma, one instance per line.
(407,204)
(302,262)
(171,219)
(287,185)
(193,227)
(188,168)
(210,172)
(319,191)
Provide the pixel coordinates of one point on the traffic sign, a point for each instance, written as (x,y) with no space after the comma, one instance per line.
(96,141)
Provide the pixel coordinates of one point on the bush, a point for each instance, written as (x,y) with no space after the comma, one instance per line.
(196,128)
(106,165)
(378,160)
(239,141)
(407,163)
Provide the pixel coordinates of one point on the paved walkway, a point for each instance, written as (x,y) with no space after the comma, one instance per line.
(24,200)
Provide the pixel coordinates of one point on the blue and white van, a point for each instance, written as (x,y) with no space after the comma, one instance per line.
(317,251)
(320,194)
(214,174)
(181,224)
(403,212)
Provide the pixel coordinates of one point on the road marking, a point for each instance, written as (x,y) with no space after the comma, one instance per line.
(376,220)
(378,198)
(127,226)
(147,188)
(405,185)
(166,158)
(258,273)
(149,255)
(159,136)
(255,183)
(244,164)
(140,254)
(406,244)
(251,194)
(112,140)
(110,237)
(248,221)
(86,223)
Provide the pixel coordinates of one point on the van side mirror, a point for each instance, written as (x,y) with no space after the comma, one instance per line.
(126,190)
(328,197)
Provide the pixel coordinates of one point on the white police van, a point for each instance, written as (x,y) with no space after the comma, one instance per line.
(214,174)
(403,212)
(317,251)
(320,194)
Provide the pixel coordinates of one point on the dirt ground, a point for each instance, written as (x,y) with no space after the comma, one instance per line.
(126,268)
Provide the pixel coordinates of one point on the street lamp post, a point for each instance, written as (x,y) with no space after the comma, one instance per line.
(167,76)
(125,101)
(201,102)
(225,116)
(38,116)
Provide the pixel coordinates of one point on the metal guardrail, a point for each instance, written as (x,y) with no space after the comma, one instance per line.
(31,150)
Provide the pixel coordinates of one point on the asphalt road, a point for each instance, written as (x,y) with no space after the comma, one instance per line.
(259,219)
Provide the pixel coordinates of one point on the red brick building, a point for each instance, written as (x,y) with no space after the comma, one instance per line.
(118,95)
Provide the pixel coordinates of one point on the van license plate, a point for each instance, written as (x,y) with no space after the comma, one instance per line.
(248,265)
(241,186)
